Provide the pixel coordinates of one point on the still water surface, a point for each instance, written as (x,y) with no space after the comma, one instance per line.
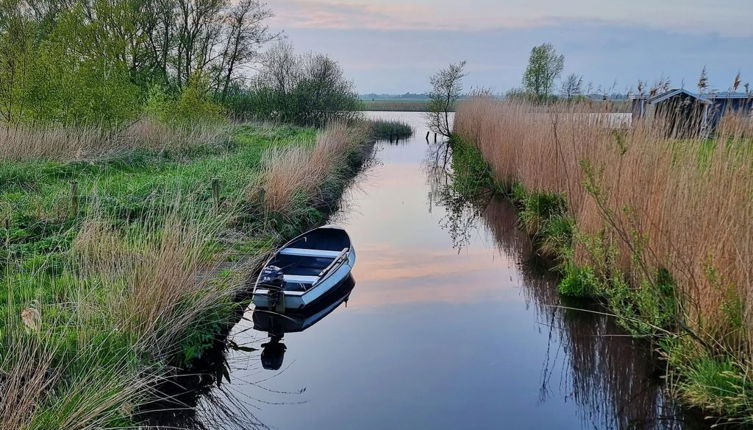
(450,326)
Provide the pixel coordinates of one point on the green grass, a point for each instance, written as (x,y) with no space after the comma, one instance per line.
(143,237)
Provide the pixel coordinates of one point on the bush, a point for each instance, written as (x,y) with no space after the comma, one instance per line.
(383,130)
(579,282)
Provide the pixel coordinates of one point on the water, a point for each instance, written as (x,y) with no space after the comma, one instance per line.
(452,324)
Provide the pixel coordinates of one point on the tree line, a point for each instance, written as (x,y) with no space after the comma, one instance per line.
(109,61)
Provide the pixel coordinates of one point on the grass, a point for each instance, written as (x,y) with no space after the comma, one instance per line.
(645,209)
(32,142)
(120,262)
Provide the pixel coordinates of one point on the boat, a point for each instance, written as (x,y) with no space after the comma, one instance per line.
(305,270)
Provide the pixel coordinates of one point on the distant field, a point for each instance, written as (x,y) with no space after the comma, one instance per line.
(618,106)
(395,105)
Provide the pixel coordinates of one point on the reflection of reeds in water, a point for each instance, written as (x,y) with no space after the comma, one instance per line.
(612,377)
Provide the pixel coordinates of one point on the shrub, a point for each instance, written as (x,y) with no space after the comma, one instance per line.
(579,282)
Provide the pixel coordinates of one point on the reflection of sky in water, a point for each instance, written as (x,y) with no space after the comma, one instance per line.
(435,338)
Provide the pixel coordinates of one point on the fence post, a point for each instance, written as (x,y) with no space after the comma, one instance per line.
(216,193)
(427,135)
(7,235)
(435,137)
(74,199)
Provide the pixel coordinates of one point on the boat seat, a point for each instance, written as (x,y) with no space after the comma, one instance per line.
(301,252)
(297,279)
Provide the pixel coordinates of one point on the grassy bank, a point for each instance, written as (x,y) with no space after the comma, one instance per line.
(657,228)
(123,261)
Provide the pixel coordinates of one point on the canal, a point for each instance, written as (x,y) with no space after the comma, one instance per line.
(453,323)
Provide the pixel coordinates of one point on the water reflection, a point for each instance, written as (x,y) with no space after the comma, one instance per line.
(456,323)
(277,325)
(614,379)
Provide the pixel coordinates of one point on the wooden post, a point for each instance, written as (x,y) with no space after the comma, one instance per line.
(216,193)
(74,199)
(7,235)
(435,137)
(427,135)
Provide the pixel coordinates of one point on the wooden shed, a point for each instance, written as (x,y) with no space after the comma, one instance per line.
(686,114)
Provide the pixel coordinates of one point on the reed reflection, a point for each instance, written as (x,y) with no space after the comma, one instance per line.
(614,379)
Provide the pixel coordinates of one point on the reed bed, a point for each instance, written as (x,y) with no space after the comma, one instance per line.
(644,204)
(299,172)
(33,142)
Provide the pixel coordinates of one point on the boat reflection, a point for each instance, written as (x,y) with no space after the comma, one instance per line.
(278,324)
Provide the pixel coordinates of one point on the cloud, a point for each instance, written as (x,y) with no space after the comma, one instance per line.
(724,16)
(335,15)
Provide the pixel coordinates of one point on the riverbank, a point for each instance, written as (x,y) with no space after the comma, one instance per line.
(122,265)
(653,227)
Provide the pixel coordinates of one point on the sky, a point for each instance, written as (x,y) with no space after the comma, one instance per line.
(393,46)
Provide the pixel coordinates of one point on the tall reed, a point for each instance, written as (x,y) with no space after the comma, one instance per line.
(299,171)
(642,202)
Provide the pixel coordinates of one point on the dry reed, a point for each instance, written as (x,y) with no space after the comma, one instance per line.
(155,280)
(682,205)
(299,171)
(29,142)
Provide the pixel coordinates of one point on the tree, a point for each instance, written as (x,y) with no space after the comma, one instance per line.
(572,86)
(544,66)
(304,89)
(246,33)
(447,86)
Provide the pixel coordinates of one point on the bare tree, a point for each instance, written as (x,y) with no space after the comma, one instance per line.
(280,67)
(572,86)
(247,32)
(447,86)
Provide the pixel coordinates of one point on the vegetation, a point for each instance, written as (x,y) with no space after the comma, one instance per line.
(395,106)
(119,261)
(383,130)
(656,227)
(302,89)
(95,62)
(447,87)
(544,66)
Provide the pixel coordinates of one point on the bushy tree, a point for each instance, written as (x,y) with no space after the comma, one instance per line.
(544,66)
(306,89)
(93,61)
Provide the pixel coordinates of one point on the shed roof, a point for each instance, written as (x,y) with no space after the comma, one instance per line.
(676,92)
(729,95)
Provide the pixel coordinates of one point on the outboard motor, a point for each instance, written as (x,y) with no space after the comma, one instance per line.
(273,354)
(273,280)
